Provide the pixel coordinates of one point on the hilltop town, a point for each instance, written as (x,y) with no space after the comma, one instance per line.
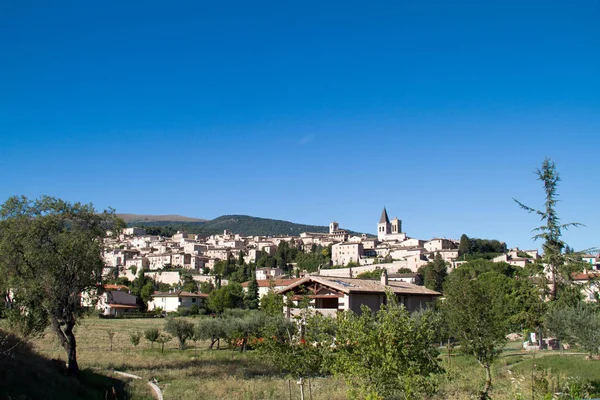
(133,250)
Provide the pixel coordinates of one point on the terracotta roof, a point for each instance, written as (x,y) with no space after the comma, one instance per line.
(350,285)
(274,282)
(109,286)
(582,276)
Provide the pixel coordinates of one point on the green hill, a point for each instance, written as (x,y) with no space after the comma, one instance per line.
(242,224)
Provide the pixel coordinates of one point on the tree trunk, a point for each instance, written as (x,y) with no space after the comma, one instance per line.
(301,383)
(488,382)
(553,284)
(68,342)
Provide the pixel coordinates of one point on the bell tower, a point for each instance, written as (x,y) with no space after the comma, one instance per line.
(396,226)
(383,227)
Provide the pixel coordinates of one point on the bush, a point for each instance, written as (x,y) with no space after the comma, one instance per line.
(134,338)
(151,335)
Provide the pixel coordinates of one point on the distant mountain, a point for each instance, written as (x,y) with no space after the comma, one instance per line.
(244,225)
(132,218)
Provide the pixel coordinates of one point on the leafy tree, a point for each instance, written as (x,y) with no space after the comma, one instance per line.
(187,282)
(579,323)
(558,323)
(240,260)
(434,273)
(251,300)
(50,253)
(211,329)
(475,268)
(585,326)
(206,287)
(476,313)
(399,346)
(272,303)
(151,335)
(242,325)
(551,231)
(230,296)
(142,287)
(162,339)
(300,353)
(181,329)
(224,269)
(375,274)
(464,245)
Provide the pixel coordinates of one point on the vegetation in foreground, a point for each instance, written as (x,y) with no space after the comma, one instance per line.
(200,373)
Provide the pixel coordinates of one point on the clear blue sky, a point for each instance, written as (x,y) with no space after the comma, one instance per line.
(307,111)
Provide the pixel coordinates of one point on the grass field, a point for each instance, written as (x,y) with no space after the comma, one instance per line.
(199,373)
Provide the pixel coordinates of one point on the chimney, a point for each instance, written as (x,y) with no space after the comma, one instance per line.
(384,277)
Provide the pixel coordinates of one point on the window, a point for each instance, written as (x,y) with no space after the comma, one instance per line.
(180,300)
(193,299)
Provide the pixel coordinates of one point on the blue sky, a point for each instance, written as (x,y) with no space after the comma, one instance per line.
(307,111)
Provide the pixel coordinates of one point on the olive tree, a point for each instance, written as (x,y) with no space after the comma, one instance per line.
(181,329)
(51,254)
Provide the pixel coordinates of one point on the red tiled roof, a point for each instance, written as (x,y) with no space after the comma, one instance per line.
(582,276)
(274,282)
(110,286)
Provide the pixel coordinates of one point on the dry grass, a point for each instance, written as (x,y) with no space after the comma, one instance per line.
(196,373)
(199,373)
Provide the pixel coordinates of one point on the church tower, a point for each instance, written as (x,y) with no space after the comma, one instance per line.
(383,227)
(396,226)
(333,227)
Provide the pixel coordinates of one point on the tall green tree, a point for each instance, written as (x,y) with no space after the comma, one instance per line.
(229,296)
(434,273)
(477,314)
(51,253)
(464,245)
(142,287)
(551,230)
(251,299)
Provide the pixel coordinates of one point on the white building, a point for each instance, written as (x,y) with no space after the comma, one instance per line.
(171,301)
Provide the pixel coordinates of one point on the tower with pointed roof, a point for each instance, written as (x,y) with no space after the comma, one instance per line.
(383,227)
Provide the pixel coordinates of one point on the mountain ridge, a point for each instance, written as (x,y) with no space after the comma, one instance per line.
(244,225)
(131,218)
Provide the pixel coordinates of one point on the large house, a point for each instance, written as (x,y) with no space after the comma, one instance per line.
(116,300)
(171,301)
(328,295)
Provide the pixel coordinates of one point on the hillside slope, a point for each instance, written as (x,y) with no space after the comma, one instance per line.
(244,225)
(133,218)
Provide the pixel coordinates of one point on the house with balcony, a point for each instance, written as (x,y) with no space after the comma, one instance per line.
(329,295)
